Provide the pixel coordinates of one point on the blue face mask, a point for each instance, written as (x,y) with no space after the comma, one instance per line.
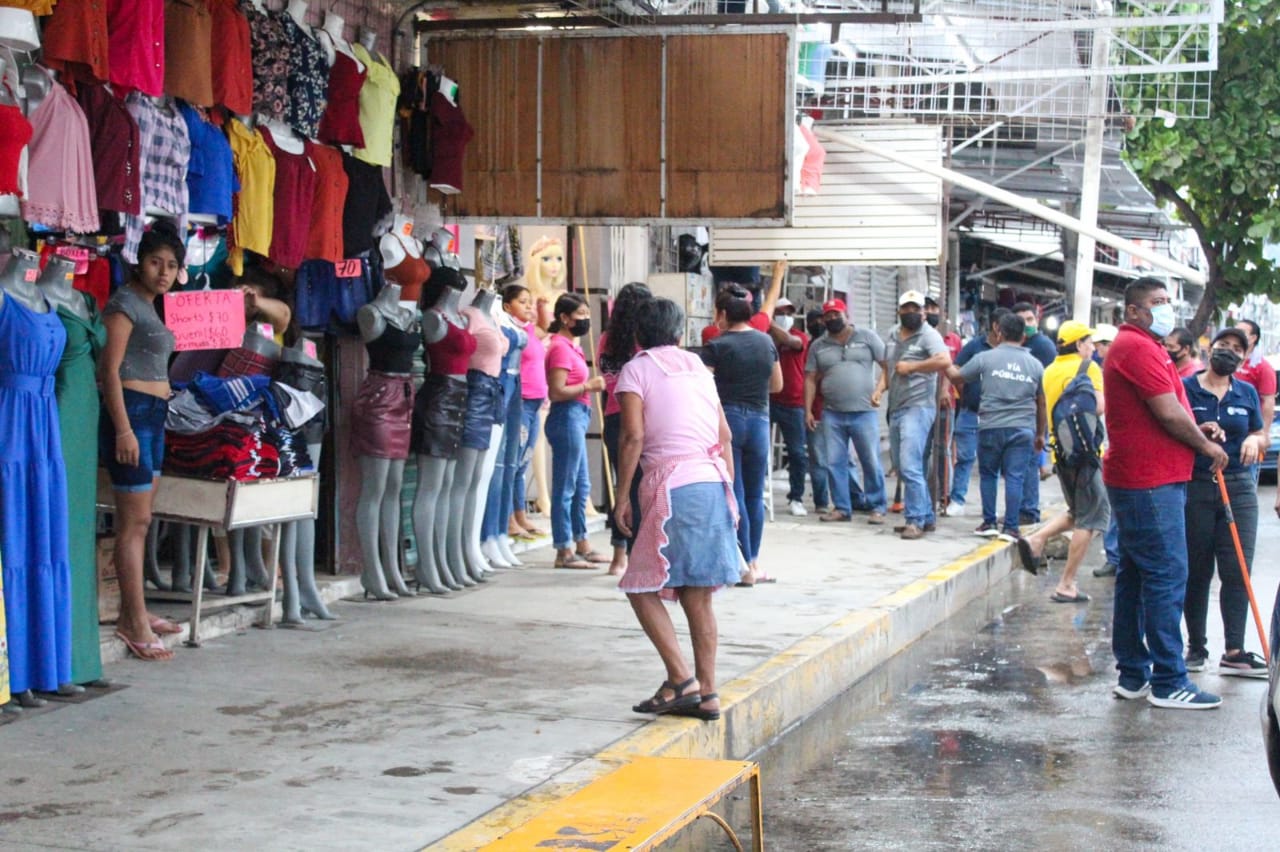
(1162,320)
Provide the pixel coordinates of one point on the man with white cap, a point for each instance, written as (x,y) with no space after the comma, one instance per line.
(786,407)
(1088,510)
(915,355)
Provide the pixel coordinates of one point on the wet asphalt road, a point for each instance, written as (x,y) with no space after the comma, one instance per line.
(998,731)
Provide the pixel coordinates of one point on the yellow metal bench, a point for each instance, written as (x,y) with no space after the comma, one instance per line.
(639,806)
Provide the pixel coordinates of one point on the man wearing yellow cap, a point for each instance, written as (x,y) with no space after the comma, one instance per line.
(1088,510)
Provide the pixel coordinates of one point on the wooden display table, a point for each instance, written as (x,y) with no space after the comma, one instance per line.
(225,505)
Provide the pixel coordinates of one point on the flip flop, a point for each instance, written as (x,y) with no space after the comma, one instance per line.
(595,558)
(766,578)
(1030,562)
(1079,597)
(164,626)
(535,532)
(573,563)
(150,652)
(678,701)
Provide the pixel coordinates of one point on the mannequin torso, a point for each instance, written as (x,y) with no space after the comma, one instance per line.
(384,310)
(19,281)
(55,284)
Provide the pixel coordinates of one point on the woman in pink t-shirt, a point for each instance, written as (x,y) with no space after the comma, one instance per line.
(617,347)
(685,545)
(570,385)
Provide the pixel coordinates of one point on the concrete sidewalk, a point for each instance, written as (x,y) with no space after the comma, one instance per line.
(447,721)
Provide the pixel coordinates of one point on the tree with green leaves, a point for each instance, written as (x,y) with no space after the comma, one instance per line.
(1222,174)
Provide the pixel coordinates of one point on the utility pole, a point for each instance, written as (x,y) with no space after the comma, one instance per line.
(1091,179)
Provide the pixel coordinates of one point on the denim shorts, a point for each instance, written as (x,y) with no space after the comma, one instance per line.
(146,417)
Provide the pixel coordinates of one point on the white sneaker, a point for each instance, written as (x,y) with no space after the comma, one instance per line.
(797,509)
(954,510)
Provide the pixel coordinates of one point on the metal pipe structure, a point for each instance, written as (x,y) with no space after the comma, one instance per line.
(1017,202)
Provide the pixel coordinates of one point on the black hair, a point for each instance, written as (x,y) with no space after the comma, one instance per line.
(1012,328)
(566,304)
(659,324)
(735,302)
(632,301)
(998,314)
(511,292)
(1020,307)
(1255,331)
(441,278)
(256,276)
(1185,339)
(162,235)
(1137,290)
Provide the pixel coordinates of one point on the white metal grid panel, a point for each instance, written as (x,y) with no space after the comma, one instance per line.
(868,211)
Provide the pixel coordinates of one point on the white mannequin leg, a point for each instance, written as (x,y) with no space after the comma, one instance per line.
(486,550)
(373,485)
(389,530)
(453,573)
(298,565)
(461,495)
(503,544)
(431,482)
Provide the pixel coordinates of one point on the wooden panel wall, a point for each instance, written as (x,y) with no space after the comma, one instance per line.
(602,106)
(726,125)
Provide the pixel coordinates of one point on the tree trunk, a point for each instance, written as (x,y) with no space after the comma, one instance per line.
(1208,308)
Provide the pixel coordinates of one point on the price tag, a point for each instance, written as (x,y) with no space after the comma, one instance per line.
(407,228)
(309,347)
(31,275)
(266,330)
(78,254)
(205,319)
(347,268)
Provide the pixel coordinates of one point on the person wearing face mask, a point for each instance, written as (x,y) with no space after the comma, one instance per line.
(786,407)
(1228,410)
(1256,371)
(1152,445)
(913,359)
(842,366)
(815,436)
(1038,466)
(1181,346)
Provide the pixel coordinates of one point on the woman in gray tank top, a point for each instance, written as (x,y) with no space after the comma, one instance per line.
(134,376)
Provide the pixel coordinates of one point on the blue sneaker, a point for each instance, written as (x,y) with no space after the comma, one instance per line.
(1122,691)
(1189,697)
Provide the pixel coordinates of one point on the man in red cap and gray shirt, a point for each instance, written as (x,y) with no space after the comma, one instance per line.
(841,364)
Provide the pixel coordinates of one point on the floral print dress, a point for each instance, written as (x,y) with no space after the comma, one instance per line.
(270,48)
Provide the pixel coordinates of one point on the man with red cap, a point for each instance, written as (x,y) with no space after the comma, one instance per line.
(841,364)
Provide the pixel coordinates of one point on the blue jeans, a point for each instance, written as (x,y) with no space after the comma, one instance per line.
(1111,540)
(909,427)
(966,438)
(790,419)
(529,410)
(570,479)
(497,508)
(1151,585)
(1030,506)
(863,428)
(750,429)
(1004,452)
(818,471)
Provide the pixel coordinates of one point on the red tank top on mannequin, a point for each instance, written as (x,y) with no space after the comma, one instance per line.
(15,133)
(410,273)
(450,355)
(340,124)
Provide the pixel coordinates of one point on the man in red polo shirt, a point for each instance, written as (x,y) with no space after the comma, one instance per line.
(786,407)
(1152,444)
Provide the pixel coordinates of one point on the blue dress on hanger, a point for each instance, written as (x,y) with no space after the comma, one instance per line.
(33,500)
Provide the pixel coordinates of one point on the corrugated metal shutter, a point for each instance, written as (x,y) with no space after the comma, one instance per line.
(869,211)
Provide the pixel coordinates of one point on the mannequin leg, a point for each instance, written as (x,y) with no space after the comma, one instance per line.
(151,564)
(464,479)
(180,577)
(481,541)
(477,563)
(289,574)
(255,565)
(373,485)
(389,530)
(309,599)
(453,573)
(431,473)
(538,488)
(236,569)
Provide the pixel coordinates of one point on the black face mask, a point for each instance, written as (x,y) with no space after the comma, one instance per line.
(815,329)
(911,322)
(1224,362)
(580,327)
(933,319)
(834,326)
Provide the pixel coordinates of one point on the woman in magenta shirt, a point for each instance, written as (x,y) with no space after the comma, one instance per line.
(533,394)
(569,386)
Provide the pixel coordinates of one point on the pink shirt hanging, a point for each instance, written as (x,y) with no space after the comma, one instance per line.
(60,189)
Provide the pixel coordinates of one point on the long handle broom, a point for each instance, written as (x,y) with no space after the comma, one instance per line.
(1244,567)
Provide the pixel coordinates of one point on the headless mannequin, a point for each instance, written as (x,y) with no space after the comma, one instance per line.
(297,9)
(369,38)
(11,205)
(475,469)
(55,284)
(36,81)
(298,539)
(284,137)
(398,242)
(431,508)
(378,510)
(498,548)
(333,41)
(19,281)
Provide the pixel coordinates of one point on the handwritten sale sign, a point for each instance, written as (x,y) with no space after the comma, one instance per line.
(205,319)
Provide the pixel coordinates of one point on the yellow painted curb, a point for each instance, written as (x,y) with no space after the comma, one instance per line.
(775,695)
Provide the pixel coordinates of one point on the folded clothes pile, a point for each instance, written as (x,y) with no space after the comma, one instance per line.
(227,451)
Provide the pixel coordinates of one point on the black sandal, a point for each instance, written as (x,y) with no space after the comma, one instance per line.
(696,712)
(679,701)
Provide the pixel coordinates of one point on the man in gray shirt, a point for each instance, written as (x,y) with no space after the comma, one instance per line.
(916,354)
(1011,421)
(842,365)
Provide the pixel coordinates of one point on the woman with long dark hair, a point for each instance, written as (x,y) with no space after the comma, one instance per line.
(617,346)
(569,385)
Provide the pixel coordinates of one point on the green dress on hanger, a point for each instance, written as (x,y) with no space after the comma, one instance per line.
(78,407)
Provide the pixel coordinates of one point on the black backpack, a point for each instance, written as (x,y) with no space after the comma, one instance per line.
(1078,433)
